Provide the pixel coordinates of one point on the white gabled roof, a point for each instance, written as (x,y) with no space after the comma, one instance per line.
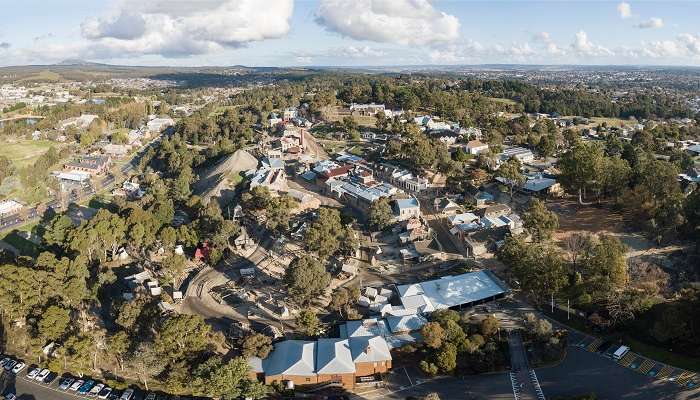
(333,356)
(292,357)
(369,349)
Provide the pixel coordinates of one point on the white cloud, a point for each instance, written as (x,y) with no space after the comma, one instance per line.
(662,49)
(177,29)
(4,45)
(549,46)
(304,60)
(463,52)
(691,43)
(360,52)
(408,22)
(624,9)
(652,23)
(582,46)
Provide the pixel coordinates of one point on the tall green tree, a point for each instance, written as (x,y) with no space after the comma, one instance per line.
(539,221)
(306,278)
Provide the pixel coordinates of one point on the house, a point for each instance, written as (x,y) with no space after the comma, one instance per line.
(407,208)
(447,137)
(156,125)
(367,109)
(81,122)
(202,251)
(446,206)
(116,150)
(9,207)
(327,360)
(476,146)
(540,185)
(94,165)
(495,211)
(289,113)
(482,198)
(522,154)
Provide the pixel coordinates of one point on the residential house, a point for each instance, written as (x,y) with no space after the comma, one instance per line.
(522,154)
(406,209)
(476,147)
(94,165)
(289,113)
(9,207)
(116,150)
(156,125)
(446,206)
(482,198)
(367,109)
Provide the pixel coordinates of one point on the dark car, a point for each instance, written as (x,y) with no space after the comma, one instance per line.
(50,378)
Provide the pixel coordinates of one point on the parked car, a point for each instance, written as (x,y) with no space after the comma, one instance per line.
(50,378)
(32,373)
(95,390)
(104,393)
(4,361)
(10,396)
(43,374)
(9,365)
(127,395)
(76,385)
(151,396)
(65,383)
(86,386)
(18,367)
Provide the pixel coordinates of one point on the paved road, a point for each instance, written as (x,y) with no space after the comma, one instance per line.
(523,379)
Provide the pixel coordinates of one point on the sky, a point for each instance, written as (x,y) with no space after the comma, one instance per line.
(350,32)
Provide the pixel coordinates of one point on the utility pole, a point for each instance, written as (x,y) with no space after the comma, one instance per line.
(568,308)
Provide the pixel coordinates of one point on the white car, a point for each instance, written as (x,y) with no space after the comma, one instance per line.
(128,393)
(43,374)
(95,390)
(32,373)
(76,385)
(18,367)
(10,396)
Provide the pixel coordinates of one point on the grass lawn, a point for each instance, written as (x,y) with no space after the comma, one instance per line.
(503,101)
(24,152)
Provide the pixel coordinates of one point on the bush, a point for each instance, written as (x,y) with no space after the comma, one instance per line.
(428,368)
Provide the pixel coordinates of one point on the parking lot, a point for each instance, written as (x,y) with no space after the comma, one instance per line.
(590,368)
(686,380)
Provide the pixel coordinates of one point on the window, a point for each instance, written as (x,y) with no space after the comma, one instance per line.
(308,379)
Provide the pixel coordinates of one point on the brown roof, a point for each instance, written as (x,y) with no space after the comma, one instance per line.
(475,143)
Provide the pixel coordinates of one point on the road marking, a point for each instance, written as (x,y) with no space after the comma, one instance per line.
(409,378)
(646,366)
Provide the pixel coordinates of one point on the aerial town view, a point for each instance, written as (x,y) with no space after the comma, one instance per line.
(350,199)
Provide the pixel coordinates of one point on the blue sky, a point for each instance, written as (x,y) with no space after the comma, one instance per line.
(350,32)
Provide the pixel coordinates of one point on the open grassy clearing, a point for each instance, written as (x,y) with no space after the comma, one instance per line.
(337,113)
(24,152)
(45,75)
(503,100)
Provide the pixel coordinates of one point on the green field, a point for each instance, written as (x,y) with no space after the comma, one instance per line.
(25,152)
(503,101)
